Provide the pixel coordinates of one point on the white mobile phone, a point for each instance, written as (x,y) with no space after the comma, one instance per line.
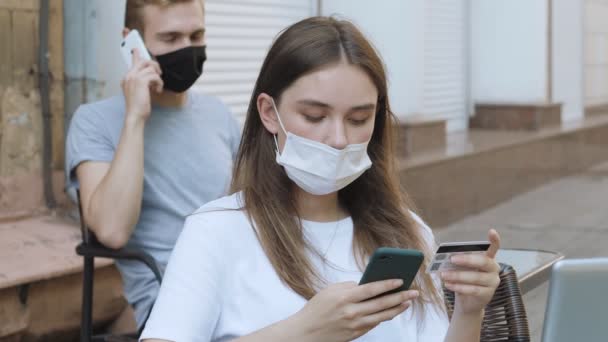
(133,41)
(441,260)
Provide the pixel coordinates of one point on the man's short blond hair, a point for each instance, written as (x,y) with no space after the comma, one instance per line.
(133,17)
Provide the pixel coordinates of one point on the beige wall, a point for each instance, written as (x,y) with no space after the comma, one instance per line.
(596,53)
(20,115)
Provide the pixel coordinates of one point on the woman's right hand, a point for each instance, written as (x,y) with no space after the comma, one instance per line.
(345,311)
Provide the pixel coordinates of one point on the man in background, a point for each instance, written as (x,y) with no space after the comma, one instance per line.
(147,158)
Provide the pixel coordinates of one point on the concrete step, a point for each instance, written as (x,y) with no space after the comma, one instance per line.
(481,168)
(41,281)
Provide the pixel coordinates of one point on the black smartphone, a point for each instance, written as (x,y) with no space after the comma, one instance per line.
(393,263)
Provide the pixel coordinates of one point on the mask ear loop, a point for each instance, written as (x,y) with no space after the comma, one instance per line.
(276,142)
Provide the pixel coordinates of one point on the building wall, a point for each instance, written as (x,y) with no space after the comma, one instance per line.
(391,26)
(567,57)
(424,45)
(596,53)
(509,50)
(104,65)
(21,123)
(239,34)
(446,56)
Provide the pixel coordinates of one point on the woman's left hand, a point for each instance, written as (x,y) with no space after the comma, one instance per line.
(474,287)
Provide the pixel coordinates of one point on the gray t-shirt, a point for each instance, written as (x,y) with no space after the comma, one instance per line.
(188,157)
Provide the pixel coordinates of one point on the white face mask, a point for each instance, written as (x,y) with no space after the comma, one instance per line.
(317,168)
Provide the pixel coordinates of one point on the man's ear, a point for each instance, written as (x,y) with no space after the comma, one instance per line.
(125,32)
(267,113)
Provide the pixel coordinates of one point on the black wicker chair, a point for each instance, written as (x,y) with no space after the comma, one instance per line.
(505,317)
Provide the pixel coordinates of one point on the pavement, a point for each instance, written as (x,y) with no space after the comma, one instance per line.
(569,215)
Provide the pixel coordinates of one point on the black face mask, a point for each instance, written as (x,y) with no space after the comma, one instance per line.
(181,68)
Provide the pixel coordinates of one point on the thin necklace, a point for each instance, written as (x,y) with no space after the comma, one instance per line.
(324,256)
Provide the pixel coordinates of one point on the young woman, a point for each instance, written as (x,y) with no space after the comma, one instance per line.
(315,193)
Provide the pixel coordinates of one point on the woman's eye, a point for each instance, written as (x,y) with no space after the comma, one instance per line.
(313,118)
(359,122)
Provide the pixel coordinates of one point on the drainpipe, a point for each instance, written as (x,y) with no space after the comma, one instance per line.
(44,87)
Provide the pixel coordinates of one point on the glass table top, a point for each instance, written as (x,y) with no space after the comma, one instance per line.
(533,267)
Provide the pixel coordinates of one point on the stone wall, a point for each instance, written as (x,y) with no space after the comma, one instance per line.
(21,140)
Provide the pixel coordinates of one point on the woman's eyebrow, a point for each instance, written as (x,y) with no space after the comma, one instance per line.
(364,107)
(315,103)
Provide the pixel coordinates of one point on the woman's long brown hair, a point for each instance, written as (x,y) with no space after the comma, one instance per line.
(380,210)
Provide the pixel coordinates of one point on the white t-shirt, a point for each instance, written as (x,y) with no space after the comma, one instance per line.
(219,284)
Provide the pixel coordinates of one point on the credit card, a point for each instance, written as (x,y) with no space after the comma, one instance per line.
(441,260)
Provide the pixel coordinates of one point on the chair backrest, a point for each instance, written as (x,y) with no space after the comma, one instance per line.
(505,316)
(89,249)
(86,319)
(86,236)
(577,306)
